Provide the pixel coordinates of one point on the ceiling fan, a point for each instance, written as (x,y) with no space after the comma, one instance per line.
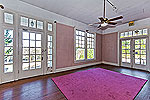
(105,22)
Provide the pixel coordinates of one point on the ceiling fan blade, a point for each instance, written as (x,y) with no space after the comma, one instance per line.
(120,17)
(102,28)
(112,23)
(99,26)
(95,23)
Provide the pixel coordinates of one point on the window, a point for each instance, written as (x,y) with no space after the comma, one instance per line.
(24,21)
(8,18)
(50,27)
(85,45)
(32,23)
(50,47)
(8,50)
(140,51)
(80,45)
(31,50)
(40,25)
(134,33)
(90,45)
(126,51)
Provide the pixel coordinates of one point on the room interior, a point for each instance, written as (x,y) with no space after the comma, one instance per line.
(74,50)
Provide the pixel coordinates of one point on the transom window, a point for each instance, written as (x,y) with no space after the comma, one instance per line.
(134,33)
(32,23)
(85,45)
(8,18)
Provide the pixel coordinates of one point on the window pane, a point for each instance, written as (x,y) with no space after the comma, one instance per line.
(25,35)
(143,41)
(130,34)
(49,57)
(32,50)
(8,42)
(38,57)
(39,24)
(25,43)
(32,23)
(49,63)
(25,58)
(140,32)
(24,21)
(8,59)
(8,68)
(32,36)
(25,50)
(38,50)
(49,45)
(32,58)
(49,38)
(137,61)
(49,51)
(143,62)
(8,33)
(145,31)
(38,36)
(8,18)
(80,54)
(32,65)
(38,65)
(50,27)
(8,51)
(32,43)
(121,35)
(25,66)
(90,53)
(38,43)
(126,34)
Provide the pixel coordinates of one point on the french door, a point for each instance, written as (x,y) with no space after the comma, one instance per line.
(31,53)
(134,53)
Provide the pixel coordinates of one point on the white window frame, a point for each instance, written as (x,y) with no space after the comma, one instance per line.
(85,44)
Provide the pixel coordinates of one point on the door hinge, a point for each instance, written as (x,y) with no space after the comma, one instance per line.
(18,71)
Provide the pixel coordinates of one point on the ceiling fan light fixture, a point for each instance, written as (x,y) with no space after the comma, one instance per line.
(104,24)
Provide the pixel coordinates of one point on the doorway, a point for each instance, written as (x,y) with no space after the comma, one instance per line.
(134,52)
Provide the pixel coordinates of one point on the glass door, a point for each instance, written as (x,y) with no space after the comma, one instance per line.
(126,59)
(31,53)
(134,53)
(140,53)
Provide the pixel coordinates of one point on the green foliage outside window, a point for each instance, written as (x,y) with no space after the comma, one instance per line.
(90,53)
(80,54)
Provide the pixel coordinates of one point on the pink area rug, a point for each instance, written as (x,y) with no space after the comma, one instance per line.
(99,84)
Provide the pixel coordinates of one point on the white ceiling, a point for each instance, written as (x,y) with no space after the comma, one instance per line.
(87,11)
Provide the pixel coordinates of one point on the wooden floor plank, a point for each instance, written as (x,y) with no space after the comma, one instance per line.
(43,88)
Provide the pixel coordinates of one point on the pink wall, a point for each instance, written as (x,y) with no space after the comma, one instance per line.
(109,47)
(65,47)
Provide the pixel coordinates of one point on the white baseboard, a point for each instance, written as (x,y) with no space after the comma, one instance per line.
(110,63)
(76,67)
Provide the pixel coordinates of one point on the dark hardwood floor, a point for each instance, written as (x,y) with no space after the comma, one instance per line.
(43,88)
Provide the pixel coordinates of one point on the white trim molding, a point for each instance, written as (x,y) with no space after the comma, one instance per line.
(76,67)
(110,63)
